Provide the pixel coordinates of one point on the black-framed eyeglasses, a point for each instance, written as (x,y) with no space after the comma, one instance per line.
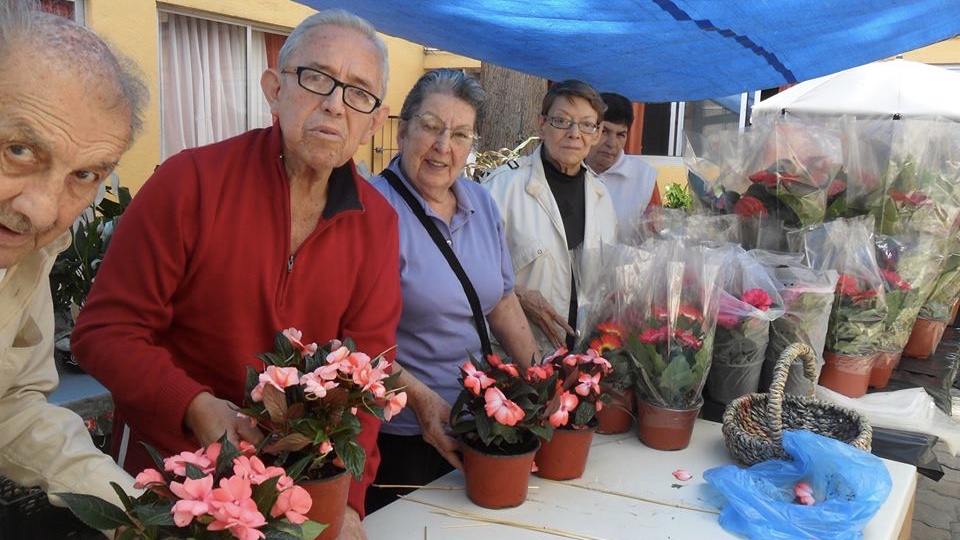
(433,126)
(318,82)
(560,122)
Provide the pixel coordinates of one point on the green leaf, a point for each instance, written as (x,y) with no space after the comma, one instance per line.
(351,454)
(265,494)
(156,515)
(96,512)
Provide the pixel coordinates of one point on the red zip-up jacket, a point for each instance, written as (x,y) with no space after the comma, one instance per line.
(198,278)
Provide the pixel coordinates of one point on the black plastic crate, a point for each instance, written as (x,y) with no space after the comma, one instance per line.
(26,514)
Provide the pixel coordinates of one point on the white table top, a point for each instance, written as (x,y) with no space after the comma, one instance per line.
(633,496)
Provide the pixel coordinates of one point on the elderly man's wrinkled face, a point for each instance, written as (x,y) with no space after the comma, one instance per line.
(59,139)
(613,137)
(321,132)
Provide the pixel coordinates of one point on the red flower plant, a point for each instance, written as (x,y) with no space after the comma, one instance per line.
(578,387)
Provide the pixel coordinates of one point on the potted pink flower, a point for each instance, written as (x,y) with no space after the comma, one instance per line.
(499,417)
(306,400)
(218,492)
(572,412)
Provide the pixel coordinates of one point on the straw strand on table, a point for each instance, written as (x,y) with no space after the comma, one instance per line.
(485,519)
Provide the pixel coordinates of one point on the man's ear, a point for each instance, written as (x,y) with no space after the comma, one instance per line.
(380,116)
(270,85)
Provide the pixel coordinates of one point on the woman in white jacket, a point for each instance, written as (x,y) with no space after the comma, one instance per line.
(552,204)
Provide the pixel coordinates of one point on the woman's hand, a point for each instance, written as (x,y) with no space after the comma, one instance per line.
(433,413)
(542,314)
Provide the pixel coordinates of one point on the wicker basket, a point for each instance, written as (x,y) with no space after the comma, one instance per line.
(753,424)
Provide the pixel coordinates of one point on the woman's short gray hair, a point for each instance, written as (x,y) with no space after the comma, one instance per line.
(452,82)
(342,19)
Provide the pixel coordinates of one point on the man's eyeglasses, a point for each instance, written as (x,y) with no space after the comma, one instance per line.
(431,125)
(564,123)
(320,83)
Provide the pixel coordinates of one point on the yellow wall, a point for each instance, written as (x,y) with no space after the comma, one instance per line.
(132,26)
(945,52)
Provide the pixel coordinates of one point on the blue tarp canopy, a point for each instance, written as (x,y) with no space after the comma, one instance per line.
(667,50)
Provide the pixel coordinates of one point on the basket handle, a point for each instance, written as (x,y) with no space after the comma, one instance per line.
(780,373)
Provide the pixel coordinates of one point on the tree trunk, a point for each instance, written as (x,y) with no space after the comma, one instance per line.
(513,107)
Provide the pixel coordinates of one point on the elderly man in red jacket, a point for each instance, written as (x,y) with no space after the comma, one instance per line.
(229,243)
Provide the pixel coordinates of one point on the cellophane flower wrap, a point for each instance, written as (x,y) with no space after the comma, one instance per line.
(859,306)
(808,295)
(921,191)
(502,406)
(671,223)
(307,398)
(605,313)
(910,265)
(219,492)
(748,302)
(670,325)
(796,172)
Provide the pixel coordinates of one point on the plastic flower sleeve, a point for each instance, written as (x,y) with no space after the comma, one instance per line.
(673,224)
(715,168)
(791,170)
(749,302)
(866,155)
(859,307)
(807,300)
(946,290)
(677,309)
(921,189)
(910,265)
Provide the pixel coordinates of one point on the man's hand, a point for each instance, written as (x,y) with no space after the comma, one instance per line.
(542,314)
(433,413)
(209,417)
(352,528)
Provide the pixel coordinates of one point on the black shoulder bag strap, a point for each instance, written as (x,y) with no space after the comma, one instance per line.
(478,318)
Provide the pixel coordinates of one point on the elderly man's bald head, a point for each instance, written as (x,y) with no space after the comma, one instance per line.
(58,43)
(68,111)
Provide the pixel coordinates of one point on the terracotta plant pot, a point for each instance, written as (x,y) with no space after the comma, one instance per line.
(617,416)
(665,429)
(883,366)
(848,375)
(329,497)
(924,338)
(496,481)
(564,456)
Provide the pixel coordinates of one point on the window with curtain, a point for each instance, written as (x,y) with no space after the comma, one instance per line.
(210,80)
(64,8)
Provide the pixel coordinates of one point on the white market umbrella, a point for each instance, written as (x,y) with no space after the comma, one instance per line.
(887,89)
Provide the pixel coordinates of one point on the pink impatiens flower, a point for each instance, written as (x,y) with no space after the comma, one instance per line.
(194,499)
(496,362)
(568,402)
(475,380)
(314,386)
(295,336)
(394,405)
(292,503)
(233,509)
(500,408)
(277,377)
(177,464)
(586,383)
(147,477)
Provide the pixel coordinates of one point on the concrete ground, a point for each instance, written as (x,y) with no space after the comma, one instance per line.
(936,514)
